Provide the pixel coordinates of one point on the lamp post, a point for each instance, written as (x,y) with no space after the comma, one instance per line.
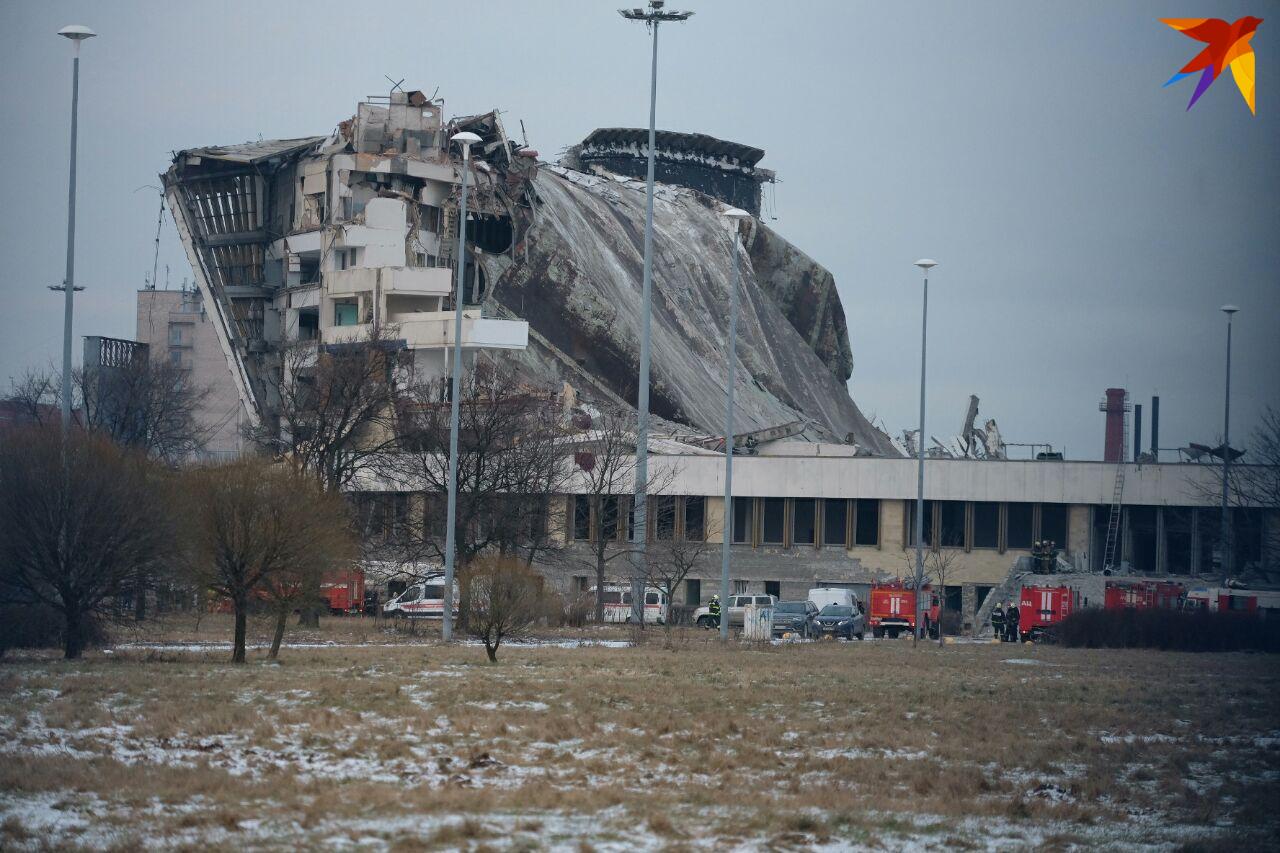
(464,140)
(924,264)
(77,34)
(653,16)
(1225,537)
(735,216)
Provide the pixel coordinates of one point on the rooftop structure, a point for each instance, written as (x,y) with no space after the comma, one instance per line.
(721,169)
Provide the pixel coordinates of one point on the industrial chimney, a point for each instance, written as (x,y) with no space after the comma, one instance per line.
(1116,404)
(1137,431)
(1155,428)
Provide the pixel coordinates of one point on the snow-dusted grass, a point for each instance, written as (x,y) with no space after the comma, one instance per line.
(353,741)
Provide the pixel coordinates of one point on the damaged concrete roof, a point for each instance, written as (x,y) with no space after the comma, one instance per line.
(251,152)
(672,141)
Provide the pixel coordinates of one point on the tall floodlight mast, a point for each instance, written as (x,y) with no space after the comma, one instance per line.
(656,14)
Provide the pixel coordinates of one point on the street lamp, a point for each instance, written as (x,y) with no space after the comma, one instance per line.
(654,15)
(1226,457)
(735,217)
(464,140)
(925,264)
(77,34)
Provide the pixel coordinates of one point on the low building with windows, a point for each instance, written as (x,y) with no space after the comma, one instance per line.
(807,515)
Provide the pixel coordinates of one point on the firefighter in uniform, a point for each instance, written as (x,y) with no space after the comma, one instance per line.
(714,610)
(997,621)
(1011,622)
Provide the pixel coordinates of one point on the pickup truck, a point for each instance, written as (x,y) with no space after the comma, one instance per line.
(737,604)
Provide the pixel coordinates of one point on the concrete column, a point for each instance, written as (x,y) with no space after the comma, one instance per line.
(1162,545)
(1195,541)
(714,521)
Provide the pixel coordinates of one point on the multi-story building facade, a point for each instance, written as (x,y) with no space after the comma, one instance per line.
(176,326)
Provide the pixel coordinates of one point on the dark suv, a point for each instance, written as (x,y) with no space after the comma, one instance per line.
(796,617)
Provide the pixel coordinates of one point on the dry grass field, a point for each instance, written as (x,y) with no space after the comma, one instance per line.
(360,737)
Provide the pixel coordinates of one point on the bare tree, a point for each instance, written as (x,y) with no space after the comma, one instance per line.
(511,460)
(257,530)
(147,405)
(1254,486)
(80,515)
(605,459)
(507,598)
(336,415)
(672,559)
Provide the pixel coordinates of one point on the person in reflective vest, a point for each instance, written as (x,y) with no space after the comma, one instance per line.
(714,610)
(997,621)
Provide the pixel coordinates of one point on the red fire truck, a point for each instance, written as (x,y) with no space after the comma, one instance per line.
(344,591)
(1041,607)
(893,610)
(1143,595)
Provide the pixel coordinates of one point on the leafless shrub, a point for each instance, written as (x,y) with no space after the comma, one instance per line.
(506,600)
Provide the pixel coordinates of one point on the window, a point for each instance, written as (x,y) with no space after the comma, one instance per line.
(739,587)
(344,314)
(951,516)
(581,518)
(803,521)
(693,592)
(580,583)
(695,515)
(346,259)
(773,588)
(175,357)
(429,218)
(608,519)
(743,516)
(664,517)
(986,525)
(773,526)
(1053,523)
(175,335)
(867,529)
(650,598)
(928,523)
(1018,526)
(835,521)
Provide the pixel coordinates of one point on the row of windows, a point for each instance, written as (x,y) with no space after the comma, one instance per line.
(979,524)
(669,517)
(831,522)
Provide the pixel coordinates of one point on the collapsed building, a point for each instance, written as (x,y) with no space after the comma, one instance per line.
(325,238)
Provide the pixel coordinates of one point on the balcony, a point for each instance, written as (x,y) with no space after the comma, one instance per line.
(434,330)
(413,281)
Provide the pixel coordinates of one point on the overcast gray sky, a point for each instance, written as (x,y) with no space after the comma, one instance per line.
(1088,227)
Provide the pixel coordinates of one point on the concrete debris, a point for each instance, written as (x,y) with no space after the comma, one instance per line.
(320,237)
(971,443)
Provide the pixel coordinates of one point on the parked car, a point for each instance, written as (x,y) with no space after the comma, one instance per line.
(821,596)
(839,620)
(796,617)
(734,609)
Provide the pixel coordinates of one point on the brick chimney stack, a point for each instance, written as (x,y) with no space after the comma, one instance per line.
(1115,405)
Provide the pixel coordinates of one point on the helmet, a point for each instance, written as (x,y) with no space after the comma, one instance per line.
(715,598)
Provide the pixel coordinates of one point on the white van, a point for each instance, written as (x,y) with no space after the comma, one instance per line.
(617,604)
(421,600)
(824,595)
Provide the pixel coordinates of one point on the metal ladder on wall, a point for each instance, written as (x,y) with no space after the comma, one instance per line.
(1113,523)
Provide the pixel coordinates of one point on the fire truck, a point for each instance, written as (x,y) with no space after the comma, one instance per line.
(1143,595)
(893,610)
(1255,602)
(344,591)
(1042,607)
